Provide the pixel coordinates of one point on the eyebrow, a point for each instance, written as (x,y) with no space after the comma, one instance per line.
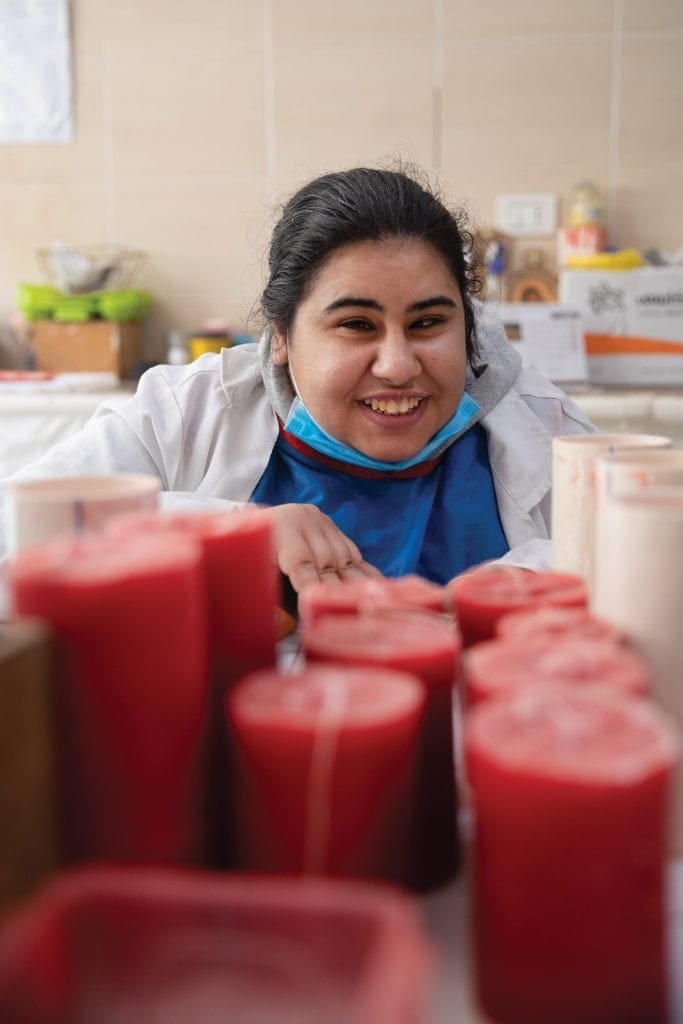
(416,307)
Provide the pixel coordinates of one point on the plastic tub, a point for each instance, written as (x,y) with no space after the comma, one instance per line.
(163,946)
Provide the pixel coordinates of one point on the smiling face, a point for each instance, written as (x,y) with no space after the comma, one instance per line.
(377,347)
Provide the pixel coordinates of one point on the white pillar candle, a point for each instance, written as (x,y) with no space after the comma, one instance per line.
(635,471)
(38,510)
(574,498)
(639,588)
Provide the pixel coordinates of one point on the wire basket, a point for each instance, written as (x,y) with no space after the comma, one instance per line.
(75,269)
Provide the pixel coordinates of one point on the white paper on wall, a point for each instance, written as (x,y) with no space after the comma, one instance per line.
(35,71)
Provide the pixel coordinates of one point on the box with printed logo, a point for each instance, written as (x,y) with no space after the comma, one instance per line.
(633,323)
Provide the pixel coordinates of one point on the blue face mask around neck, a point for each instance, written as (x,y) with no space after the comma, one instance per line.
(301,424)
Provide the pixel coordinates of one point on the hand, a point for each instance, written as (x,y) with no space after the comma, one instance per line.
(310,547)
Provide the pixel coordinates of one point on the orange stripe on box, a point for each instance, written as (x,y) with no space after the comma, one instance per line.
(619,344)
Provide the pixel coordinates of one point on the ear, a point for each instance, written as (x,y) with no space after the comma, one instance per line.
(279,352)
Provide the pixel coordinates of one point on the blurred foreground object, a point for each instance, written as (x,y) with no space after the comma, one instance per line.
(145,945)
(28,820)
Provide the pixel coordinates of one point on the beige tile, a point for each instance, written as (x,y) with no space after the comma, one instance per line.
(34,214)
(207,120)
(87,28)
(331,25)
(476,193)
(527,17)
(651,101)
(648,207)
(341,108)
(526,104)
(645,15)
(203,240)
(181,33)
(82,158)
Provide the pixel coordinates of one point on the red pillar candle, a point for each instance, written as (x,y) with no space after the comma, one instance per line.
(572,797)
(554,622)
(325,769)
(427,646)
(241,578)
(242,587)
(497,667)
(483,596)
(353,597)
(158,945)
(130,619)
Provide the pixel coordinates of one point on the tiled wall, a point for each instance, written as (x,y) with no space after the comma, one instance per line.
(195,117)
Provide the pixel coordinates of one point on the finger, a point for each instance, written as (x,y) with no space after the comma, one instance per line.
(354,570)
(303,574)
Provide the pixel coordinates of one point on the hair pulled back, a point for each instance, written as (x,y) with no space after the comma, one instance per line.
(359,205)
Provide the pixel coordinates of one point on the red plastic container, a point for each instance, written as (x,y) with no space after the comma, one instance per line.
(162,946)
(483,596)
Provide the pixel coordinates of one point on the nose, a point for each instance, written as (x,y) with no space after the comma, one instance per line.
(396,361)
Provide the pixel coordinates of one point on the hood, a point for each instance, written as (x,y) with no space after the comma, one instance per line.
(490,374)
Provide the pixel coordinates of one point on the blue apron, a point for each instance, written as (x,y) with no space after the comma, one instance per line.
(435,519)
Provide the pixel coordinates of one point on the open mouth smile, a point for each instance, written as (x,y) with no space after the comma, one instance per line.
(391,407)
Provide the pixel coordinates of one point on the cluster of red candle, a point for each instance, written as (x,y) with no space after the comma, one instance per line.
(139,612)
(571,768)
(348,766)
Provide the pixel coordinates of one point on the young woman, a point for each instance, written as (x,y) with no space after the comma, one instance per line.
(384,415)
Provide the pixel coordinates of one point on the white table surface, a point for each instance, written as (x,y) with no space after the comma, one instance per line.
(33,422)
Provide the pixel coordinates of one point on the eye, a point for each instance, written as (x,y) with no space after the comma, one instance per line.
(358,324)
(426,322)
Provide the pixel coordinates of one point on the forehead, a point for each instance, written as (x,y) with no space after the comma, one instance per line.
(396,267)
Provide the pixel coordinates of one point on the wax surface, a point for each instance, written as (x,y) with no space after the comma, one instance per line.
(639,588)
(571,793)
(130,620)
(353,597)
(241,587)
(575,494)
(428,646)
(554,622)
(496,667)
(241,578)
(325,770)
(483,596)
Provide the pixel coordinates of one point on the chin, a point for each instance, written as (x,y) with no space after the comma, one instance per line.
(390,454)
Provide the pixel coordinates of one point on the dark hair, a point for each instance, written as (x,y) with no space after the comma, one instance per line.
(354,206)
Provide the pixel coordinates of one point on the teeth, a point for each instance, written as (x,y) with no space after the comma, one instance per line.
(393,408)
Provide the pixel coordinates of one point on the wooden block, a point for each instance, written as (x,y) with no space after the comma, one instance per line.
(28,812)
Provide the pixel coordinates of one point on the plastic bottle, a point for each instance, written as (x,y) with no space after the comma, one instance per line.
(176,353)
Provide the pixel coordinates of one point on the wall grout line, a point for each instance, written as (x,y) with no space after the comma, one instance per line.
(437,87)
(108,149)
(268,96)
(615,110)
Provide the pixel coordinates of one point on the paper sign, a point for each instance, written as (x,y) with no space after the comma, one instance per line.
(548,337)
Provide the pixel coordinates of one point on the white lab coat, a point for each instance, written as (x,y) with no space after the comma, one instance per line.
(207,431)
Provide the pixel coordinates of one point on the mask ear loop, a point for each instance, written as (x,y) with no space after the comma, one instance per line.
(289,370)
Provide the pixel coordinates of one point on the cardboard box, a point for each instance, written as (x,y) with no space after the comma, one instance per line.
(633,323)
(95,346)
